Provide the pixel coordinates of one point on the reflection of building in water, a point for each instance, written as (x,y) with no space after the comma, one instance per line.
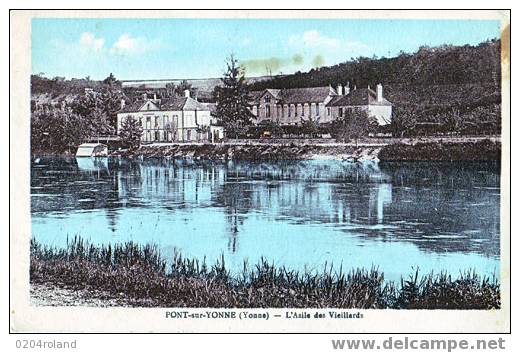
(380,195)
(324,202)
(272,191)
(171,184)
(109,186)
(93,164)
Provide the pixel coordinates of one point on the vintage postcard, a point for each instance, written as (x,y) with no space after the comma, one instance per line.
(260,171)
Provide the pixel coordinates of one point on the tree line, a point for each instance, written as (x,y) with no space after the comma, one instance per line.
(442,65)
(59,126)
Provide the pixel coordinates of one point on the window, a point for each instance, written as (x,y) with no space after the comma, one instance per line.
(328,111)
(156,122)
(317,109)
(303,109)
(157,136)
(267,99)
(148,122)
(340,112)
(188,135)
(267,111)
(289,110)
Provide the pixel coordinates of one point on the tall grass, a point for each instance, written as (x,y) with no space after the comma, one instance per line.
(140,273)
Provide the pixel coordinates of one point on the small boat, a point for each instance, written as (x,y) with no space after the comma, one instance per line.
(92,150)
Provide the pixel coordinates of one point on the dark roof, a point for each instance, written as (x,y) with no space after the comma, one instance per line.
(306,95)
(182,103)
(357,97)
(297,95)
(134,107)
(175,104)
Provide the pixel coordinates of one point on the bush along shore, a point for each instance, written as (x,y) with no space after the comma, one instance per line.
(140,276)
(483,150)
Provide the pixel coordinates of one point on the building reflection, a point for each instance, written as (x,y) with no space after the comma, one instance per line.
(406,201)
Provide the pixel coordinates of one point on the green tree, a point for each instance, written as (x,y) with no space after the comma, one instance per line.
(131,132)
(100,107)
(310,126)
(355,124)
(183,86)
(404,121)
(171,128)
(455,121)
(111,80)
(203,131)
(170,89)
(274,128)
(57,130)
(232,99)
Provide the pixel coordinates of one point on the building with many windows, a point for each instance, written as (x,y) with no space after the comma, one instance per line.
(324,104)
(289,106)
(176,119)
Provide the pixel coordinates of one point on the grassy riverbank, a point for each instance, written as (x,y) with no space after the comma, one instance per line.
(137,275)
(257,151)
(426,149)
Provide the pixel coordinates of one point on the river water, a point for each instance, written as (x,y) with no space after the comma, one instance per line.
(300,214)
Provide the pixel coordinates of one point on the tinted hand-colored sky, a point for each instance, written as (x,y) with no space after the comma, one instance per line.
(197,48)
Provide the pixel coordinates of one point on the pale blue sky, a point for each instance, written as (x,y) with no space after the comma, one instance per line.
(196,48)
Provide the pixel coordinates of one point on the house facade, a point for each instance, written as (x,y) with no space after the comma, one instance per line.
(322,104)
(289,106)
(366,99)
(177,119)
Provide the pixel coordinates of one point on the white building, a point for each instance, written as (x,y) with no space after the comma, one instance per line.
(172,120)
(363,98)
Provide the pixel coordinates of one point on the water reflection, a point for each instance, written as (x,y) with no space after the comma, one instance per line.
(212,207)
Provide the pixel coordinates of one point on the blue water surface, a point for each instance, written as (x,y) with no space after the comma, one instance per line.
(300,214)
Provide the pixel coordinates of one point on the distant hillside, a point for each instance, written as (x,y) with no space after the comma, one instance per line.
(45,89)
(51,91)
(202,84)
(202,89)
(444,65)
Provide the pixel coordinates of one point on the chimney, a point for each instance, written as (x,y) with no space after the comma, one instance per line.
(154,97)
(339,90)
(145,96)
(187,93)
(122,104)
(379,93)
(347,88)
